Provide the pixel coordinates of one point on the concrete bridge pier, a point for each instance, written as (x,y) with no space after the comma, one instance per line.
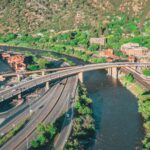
(80,76)
(113,72)
(43,72)
(109,71)
(18,77)
(47,87)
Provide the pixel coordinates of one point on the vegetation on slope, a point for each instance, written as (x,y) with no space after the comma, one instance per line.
(45,135)
(57,15)
(144,109)
(146,72)
(119,30)
(143,106)
(83,124)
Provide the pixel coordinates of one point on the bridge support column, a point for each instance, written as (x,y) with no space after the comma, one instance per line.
(113,72)
(109,71)
(47,86)
(80,76)
(18,77)
(43,73)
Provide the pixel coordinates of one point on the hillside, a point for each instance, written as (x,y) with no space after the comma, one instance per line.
(38,15)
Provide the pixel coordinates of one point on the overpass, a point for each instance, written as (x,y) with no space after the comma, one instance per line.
(37,71)
(42,72)
(22,87)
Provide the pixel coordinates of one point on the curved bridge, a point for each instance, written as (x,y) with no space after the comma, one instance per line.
(61,74)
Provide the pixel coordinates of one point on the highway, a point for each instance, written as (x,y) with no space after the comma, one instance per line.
(25,111)
(40,116)
(68,121)
(57,110)
(137,77)
(8,93)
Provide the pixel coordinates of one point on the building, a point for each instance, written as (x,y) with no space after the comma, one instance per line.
(17,62)
(135,52)
(106,53)
(143,58)
(109,54)
(99,41)
(134,49)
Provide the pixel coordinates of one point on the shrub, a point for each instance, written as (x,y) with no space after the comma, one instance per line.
(33,67)
(146,72)
(129,78)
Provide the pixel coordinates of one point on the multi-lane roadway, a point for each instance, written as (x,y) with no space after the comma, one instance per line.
(19,114)
(52,109)
(67,123)
(60,107)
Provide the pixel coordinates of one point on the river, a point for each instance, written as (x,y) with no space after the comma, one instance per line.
(4,68)
(118,123)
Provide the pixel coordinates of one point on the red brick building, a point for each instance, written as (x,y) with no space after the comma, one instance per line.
(109,54)
(17,62)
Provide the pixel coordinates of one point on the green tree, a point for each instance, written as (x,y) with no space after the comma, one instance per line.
(35,144)
(146,72)
(93,47)
(33,67)
(42,63)
(51,130)
(129,78)
(10,37)
(42,139)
